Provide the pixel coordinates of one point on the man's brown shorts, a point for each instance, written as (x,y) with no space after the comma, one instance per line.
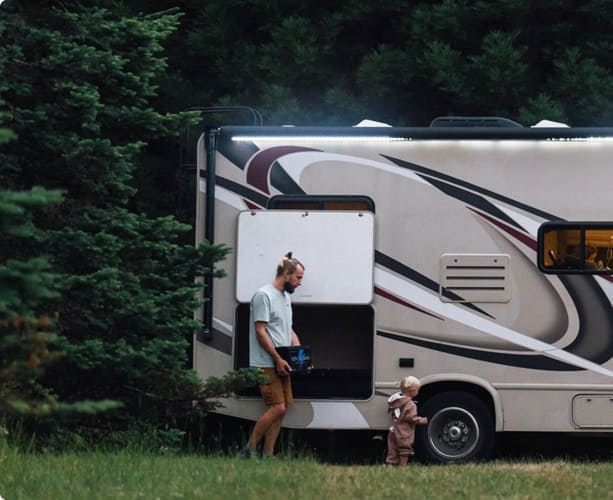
(278,390)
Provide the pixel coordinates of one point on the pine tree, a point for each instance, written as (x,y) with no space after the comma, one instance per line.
(26,287)
(78,82)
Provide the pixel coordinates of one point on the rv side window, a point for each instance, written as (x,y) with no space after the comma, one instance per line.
(321,202)
(584,248)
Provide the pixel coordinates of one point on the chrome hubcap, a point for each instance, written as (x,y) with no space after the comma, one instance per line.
(453,433)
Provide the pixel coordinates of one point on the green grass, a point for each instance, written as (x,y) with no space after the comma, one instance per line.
(135,475)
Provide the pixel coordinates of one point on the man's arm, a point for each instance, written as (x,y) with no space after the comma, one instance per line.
(261,334)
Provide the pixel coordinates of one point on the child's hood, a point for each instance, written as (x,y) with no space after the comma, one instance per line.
(397,400)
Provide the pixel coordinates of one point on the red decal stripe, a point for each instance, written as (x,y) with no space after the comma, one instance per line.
(260,165)
(389,296)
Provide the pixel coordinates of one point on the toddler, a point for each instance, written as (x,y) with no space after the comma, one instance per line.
(403,410)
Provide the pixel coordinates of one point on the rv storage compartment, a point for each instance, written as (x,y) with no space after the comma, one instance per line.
(341,339)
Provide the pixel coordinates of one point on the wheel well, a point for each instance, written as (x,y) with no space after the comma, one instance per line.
(427,391)
(462,422)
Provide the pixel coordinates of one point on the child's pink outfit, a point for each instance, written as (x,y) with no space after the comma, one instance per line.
(402,432)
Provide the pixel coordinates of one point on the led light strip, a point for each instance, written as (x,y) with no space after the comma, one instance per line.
(378,138)
(319,138)
(580,139)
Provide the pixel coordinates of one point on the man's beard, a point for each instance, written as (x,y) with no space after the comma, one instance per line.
(288,287)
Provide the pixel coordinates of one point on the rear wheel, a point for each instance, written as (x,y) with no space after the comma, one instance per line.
(460,429)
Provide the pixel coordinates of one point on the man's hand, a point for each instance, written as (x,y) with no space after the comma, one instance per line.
(282,367)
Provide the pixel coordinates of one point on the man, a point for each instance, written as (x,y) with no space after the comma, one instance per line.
(590,257)
(270,326)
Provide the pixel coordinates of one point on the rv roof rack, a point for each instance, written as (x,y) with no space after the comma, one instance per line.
(473,121)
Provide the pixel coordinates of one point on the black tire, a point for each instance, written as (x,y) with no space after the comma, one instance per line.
(460,429)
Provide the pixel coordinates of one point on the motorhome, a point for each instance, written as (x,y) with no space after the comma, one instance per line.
(477,258)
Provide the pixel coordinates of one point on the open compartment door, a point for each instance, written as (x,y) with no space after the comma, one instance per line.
(328,243)
(332,309)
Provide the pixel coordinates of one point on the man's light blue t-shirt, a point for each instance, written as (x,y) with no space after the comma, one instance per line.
(275,308)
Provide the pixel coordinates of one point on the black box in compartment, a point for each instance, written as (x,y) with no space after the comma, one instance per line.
(341,340)
(328,383)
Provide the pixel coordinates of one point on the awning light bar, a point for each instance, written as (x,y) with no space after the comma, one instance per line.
(384,138)
(580,139)
(319,138)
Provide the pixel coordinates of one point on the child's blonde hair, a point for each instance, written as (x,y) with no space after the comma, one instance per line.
(409,382)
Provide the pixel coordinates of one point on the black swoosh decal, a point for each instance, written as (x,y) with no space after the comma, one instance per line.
(472,199)
(240,190)
(219,341)
(412,275)
(595,338)
(472,187)
(282,181)
(536,361)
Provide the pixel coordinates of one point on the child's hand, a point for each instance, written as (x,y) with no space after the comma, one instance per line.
(424,421)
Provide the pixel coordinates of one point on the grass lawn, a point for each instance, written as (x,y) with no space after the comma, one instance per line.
(138,475)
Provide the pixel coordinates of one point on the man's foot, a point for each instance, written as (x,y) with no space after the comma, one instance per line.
(246,452)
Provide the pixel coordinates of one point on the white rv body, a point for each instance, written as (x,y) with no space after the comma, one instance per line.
(467,289)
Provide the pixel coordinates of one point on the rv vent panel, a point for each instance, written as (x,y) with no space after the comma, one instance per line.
(475,278)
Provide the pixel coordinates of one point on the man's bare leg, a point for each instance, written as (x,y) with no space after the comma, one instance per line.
(270,438)
(273,415)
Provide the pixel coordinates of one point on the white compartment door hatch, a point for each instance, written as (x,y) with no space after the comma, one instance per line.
(336,247)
